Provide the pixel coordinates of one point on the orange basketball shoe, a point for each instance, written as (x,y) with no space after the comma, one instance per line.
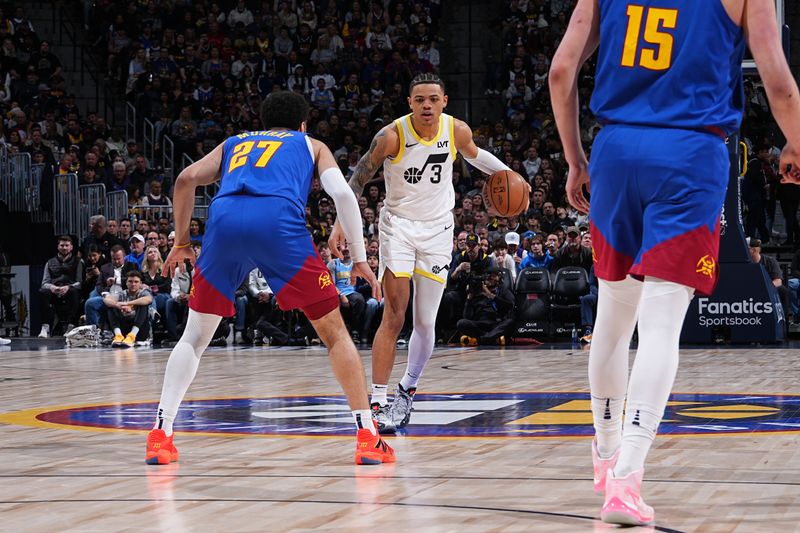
(372,449)
(160,450)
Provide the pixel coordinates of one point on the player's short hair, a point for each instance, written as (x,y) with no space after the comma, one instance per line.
(425,78)
(284,109)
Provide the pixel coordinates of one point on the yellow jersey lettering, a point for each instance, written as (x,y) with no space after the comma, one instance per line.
(659,56)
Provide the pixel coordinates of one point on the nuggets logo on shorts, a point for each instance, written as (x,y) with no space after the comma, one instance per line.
(706,266)
(191,291)
(324,280)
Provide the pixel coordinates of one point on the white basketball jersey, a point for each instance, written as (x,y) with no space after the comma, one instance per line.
(419,180)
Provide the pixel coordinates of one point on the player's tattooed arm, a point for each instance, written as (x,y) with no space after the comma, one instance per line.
(384,144)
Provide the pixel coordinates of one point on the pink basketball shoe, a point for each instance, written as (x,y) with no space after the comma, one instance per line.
(624,503)
(601,467)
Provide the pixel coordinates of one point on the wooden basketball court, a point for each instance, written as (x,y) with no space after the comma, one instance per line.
(506,446)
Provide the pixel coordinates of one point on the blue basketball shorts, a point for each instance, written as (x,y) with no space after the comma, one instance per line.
(268,233)
(656,199)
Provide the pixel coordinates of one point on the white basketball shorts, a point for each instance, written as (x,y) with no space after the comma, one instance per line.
(412,247)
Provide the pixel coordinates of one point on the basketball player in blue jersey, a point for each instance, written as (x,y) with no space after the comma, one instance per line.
(417,152)
(669,90)
(257,220)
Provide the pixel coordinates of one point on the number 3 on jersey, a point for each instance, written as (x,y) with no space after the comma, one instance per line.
(659,55)
(242,150)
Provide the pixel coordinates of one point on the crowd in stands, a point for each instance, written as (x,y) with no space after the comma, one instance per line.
(199,71)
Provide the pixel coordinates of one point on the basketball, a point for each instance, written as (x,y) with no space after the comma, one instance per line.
(505,193)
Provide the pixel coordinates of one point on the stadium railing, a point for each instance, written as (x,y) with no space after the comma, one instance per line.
(17,176)
(117,205)
(66,212)
(91,201)
(148,140)
(168,154)
(35,196)
(152,212)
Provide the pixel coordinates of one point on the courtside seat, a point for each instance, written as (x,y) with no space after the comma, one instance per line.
(569,284)
(532,302)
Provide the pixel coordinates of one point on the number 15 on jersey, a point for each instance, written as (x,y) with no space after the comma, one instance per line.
(656,51)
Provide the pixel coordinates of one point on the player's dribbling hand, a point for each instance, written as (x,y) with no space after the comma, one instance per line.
(337,240)
(790,166)
(176,258)
(363,271)
(577,178)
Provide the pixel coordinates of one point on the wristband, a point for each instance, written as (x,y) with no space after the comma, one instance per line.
(179,246)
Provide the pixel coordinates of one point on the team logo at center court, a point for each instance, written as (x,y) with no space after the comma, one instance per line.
(324,280)
(495,415)
(706,266)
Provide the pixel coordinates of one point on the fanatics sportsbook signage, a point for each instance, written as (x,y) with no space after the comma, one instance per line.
(745,306)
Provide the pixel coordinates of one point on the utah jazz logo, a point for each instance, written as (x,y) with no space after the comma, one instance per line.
(413,175)
(324,280)
(706,266)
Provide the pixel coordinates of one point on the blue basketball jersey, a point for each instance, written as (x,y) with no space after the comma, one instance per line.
(267,163)
(669,63)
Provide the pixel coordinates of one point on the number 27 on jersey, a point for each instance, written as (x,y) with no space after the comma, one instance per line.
(656,54)
(242,151)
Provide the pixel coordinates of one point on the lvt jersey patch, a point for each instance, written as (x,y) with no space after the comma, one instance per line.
(496,415)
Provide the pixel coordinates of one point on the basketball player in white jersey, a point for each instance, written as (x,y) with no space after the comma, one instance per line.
(417,152)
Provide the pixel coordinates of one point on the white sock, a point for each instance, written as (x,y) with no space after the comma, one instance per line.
(135,330)
(117,331)
(427,297)
(607,414)
(408,381)
(639,431)
(363,420)
(662,311)
(379,394)
(617,309)
(182,366)
(164,421)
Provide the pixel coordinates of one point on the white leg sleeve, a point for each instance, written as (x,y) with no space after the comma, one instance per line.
(427,297)
(617,310)
(182,365)
(662,311)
